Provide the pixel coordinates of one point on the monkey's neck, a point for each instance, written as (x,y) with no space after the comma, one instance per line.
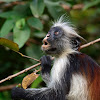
(61,64)
(66,53)
(58,69)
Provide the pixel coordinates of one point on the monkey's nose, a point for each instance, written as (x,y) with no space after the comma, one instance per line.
(48,35)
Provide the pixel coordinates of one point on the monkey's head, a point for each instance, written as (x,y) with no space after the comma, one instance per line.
(60,39)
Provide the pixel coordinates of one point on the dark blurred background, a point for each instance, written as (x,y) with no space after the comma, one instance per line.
(26,22)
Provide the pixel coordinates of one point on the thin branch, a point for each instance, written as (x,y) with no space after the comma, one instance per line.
(8,87)
(78,6)
(31,67)
(7,5)
(75,7)
(27,56)
(90,43)
(19,73)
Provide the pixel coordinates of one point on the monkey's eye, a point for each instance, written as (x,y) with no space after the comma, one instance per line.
(56,33)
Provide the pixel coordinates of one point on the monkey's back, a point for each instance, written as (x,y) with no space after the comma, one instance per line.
(85,81)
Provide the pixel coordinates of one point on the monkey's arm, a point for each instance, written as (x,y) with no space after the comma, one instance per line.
(37,94)
(46,68)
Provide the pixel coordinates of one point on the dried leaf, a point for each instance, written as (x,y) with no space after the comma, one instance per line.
(10,44)
(27,80)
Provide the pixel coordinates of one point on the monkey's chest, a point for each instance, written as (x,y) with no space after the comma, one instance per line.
(58,69)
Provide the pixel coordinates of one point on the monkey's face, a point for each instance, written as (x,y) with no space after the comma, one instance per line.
(54,41)
(59,41)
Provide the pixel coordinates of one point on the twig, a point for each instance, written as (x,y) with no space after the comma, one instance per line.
(7,5)
(78,6)
(19,73)
(75,7)
(37,70)
(27,56)
(8,87)
(31,67)
(90,43)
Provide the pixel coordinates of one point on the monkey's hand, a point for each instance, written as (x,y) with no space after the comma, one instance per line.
(17,93)
(46,63)
(46,68)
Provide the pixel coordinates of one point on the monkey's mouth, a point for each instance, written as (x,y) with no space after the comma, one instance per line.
(47,47)
(45,43)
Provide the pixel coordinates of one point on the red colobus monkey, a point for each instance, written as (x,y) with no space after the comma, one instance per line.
(74,75)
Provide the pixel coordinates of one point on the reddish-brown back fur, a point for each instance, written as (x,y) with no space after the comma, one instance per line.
(91,70)
(94,85)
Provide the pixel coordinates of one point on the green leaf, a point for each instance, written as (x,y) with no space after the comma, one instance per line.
(7,14)
(10,44)
(11,15)
(22,10)
(90,4)
(7,27)
(37,7)
(36,83)
(39,34)
(10,0)
(36,23)
(54,8)
(20,23)
(21,35)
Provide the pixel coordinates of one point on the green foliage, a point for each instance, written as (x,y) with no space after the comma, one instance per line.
(9,0)
(36,23)
(34,51)
(39,34)
(7,27)
(37,82)
(91,4)
(6,14)
(21,35)
(54,9)
(27,22)
(37,7)
(20,24)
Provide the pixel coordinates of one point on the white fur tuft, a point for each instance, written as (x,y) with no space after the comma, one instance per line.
(58,69)
(66,26)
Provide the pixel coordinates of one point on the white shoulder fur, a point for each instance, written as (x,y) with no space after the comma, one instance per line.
(78,90)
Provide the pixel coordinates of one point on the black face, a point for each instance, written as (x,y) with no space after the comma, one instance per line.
(52,41)
(55,33)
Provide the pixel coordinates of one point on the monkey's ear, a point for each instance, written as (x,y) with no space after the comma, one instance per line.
(76,42)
